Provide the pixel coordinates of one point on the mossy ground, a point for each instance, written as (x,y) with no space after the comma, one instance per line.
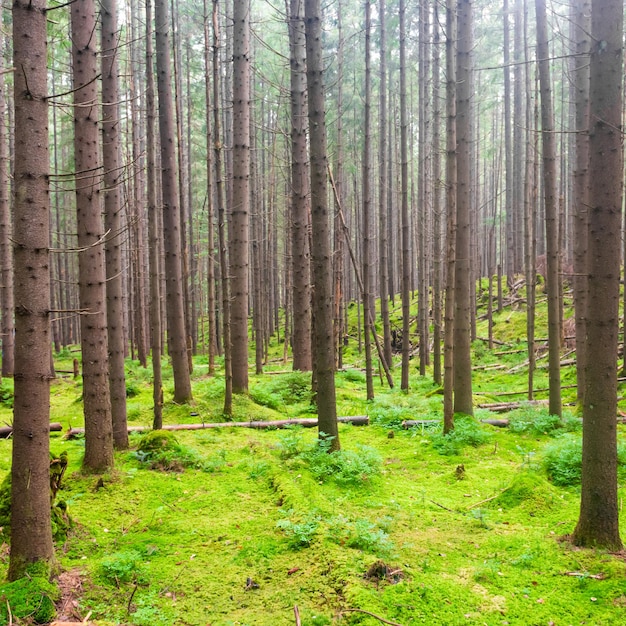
(252,532)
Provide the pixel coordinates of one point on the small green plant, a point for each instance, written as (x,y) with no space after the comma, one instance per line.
(300,533)
(361,534)
(467,432)
(123,567)
(30,598)
(563,460)
(290,442)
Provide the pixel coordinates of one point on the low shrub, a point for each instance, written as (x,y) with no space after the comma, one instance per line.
(538,421)
(467,432)
(123,567)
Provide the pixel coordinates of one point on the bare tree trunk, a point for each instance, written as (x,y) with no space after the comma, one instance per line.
(463,270)
(153,231)
(300,209)
(240,208)
(324,357)
(368,311)
(113,174)
(404,211)
(598,524)
(171,212)
(6,259)
(221,218)
(451,184)
(551,210)
(31,534)
(91,266)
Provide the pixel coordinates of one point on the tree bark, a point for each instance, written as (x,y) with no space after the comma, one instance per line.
(598,524)
(324,357)
(113,173)
(91,263)
(240,207)
(31,534)
(177,336)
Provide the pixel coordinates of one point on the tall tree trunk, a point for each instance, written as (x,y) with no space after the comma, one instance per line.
(551,211)
(463,270)
(368,310)
(177,335)
(91,263)
(598,524)
(404,175)
(324,357)
(451,184)
(240,207)
(113,173)
(383,227)
(31,534)
(582,27)
(300,210)
(6,259)
(153,232)
(221,218)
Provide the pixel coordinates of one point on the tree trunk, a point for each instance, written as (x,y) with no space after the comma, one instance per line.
(551,210)
(177,336)
(91,263)
(598,524)
(113,174)
(463,270)
(324,357)
(300,210)
(31,534)
(240,207)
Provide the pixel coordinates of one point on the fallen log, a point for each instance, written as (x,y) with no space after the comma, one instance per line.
(504,407)
(306,422)
(7,431)
(503,423)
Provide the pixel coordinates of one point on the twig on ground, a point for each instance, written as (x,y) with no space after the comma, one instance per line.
(378,617)
(296,613)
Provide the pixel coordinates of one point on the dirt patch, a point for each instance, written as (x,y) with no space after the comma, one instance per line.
(71,587)
(381,571)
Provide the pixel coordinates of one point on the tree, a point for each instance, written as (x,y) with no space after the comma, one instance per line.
(463,274)
(240,207)
(551,211)
(31,533)
(598,522)
(111,161)
(324,357)
(6,260)
(177,337)
(91,268)
(300,210)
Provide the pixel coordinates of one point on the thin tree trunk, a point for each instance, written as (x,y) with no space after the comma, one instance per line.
(324,357)
(112,163)
(551,210)
(31,534)
(177,336)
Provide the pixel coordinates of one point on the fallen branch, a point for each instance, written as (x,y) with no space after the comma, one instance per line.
(378,617)
(473,506)
(296,613)
(7,431)
(306,422)
(599,576)
(492,422)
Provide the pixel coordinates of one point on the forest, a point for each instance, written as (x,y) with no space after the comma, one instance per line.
(312,313)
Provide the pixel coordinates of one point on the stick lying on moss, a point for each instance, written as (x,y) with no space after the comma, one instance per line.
(306,422)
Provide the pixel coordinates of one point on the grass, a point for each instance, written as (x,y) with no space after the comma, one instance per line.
(406,524)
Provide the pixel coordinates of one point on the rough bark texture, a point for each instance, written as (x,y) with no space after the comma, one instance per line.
(153,233)
(551,210)
(324,357)
(31,535)
(464,195)
(598,523)
(171,211)
(300,208)
(240,208)
(6,257)
(91,268)
(111,161)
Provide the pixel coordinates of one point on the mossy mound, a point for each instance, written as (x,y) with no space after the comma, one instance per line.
(158,441)
(161,451)
(30,597)
(527,489)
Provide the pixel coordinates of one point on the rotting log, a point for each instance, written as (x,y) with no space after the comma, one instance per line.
(7,431)
(306,422)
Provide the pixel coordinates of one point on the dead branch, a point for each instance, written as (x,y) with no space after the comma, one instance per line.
(378,617)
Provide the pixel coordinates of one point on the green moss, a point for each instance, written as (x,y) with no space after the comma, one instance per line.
(32,597)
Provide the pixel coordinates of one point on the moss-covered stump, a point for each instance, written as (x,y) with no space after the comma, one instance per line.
(32,597)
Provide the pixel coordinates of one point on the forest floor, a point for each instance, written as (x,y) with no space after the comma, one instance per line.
(235,526)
